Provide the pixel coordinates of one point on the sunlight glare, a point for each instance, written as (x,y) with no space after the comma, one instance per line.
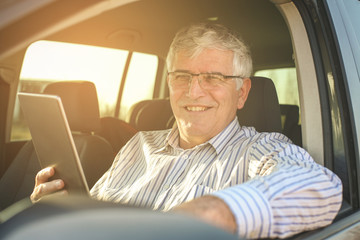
(54,61)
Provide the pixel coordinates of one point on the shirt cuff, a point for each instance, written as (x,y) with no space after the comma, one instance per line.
(252,211)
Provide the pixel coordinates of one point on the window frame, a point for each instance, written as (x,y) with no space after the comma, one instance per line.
(311,117)
(325,50)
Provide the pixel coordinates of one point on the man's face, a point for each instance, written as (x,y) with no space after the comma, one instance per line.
(202,114)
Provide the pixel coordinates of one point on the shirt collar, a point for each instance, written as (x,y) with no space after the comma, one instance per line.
(223,138)
(218,142)
(171,140)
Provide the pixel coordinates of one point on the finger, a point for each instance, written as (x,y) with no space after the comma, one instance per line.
(46,189)
(44,175)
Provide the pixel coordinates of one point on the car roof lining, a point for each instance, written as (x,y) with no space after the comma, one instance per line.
(144,26)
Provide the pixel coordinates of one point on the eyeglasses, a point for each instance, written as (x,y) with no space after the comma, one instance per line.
(208,81)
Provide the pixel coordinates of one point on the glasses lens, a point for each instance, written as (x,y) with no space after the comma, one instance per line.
(211,80)
(179,80)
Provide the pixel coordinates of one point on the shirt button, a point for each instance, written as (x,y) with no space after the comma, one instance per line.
(185,156)
(166,186)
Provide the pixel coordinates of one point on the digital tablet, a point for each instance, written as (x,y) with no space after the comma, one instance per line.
(52,139)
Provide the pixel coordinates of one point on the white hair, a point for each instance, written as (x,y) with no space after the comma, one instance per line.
(195,38)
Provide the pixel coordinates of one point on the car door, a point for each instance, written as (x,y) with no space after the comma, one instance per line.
(343,18)
(333,34)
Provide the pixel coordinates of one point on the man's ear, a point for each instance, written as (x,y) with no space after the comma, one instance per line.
(244,92)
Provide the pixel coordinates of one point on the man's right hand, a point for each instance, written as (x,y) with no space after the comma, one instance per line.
(44,187)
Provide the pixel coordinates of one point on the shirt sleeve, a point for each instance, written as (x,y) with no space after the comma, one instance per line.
(288,192)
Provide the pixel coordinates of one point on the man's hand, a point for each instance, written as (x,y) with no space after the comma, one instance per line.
(44,187)
(210,209)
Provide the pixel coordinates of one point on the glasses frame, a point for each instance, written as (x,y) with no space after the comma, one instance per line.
(224,77)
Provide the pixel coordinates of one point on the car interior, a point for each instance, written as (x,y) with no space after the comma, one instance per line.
(274,30)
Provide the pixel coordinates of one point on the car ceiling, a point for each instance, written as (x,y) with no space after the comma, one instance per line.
(149,25)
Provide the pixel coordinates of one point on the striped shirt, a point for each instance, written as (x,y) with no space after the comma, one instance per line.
(274,188)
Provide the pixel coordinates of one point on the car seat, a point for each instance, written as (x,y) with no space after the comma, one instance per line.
(291,127)
(116,131)
(82,110)
(96,154)
(261,110)
(149,115)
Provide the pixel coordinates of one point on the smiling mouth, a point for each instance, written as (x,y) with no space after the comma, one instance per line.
(196,108)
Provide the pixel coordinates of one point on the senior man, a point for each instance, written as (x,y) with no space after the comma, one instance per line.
(257,185)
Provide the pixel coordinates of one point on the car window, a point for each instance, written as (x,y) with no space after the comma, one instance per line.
(349,10)
(285,81)
(345,18)
(143,67)
(48,61)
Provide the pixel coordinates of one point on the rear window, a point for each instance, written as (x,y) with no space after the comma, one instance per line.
(48,61)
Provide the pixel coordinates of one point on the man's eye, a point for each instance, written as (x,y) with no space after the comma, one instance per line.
(182,77)
(212,78)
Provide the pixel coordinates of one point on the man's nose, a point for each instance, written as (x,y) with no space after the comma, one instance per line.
(195,89)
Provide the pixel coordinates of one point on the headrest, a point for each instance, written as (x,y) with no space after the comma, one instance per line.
(148,115)
(262,109)
(80,102)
